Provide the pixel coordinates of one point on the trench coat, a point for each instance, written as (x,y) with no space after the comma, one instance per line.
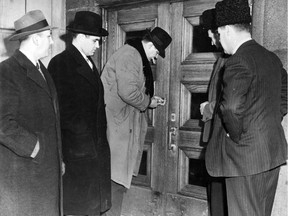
(86,153)
(28,113)
(126,102)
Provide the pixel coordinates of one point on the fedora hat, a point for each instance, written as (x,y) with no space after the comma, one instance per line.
(208,19)
(32,22)
(87,22)
(160,38)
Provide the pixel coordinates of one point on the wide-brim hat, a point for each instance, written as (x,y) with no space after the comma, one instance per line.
(160,38)
(208,19)
(230,12)
(32,22)
(87,22)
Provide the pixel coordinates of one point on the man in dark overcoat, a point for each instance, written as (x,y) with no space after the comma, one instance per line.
(30,140)
(86,152)
(216,187)
(248,144)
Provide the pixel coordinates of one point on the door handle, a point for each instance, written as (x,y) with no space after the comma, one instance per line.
(172,136)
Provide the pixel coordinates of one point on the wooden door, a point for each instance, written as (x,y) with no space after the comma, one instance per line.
(173,177)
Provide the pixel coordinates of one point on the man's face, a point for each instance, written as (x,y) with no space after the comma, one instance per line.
(212,36)
(152,53)
(215,40)
(89,44)
(44,43)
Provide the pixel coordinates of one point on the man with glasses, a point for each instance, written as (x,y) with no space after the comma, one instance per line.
(86,153)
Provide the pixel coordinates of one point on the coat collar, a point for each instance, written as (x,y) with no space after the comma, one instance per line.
(246,44)
(83,67)
(32,71)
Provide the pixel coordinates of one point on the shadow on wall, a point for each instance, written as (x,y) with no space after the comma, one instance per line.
(67,37)
(8,49)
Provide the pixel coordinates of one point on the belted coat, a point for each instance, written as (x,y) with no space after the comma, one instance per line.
(86,153)
(28,113)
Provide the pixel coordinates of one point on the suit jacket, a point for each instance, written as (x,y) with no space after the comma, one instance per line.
(86,152)
(28,112)
(248,137)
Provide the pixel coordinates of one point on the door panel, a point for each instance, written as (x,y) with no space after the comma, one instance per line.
(173,177)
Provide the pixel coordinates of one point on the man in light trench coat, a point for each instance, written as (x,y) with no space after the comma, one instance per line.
(128,93)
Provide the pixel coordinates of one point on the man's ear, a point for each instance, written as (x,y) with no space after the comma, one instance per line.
(35,38)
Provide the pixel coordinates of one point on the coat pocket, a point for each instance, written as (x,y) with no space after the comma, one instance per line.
(78,146)
(41,153)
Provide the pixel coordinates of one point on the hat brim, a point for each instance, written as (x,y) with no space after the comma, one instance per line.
(101,33)
(160,49)
(18,36)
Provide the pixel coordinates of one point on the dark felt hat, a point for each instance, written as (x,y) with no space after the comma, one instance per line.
(87,22)
(208,19)
(229,12)
(32,22)
(160,38)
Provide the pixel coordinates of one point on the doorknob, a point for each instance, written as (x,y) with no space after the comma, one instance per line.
(172,136)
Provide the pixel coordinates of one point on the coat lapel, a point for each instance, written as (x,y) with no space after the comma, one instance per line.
(83,67)
(32,71)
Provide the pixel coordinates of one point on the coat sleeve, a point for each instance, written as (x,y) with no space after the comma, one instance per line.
(12,134)
(236,82)
(127,75)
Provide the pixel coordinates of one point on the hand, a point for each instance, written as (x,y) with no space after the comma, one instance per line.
(63,168)
(156,101)
(36,149)
(202,105)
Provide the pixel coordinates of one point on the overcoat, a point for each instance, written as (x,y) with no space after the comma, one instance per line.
(28,112)
(86,153)
(126,101)
(247,136)
(214,87)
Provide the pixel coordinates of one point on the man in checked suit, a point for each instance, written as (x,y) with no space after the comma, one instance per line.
(248,145)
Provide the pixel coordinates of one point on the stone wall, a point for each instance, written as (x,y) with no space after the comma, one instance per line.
(270,30)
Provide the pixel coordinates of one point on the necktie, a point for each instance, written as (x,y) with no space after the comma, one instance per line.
(89,63)
(39,69)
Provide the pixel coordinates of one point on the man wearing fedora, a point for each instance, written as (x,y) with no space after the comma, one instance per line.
(30,139)
(216,188)
(86,153)
(248,145)
(128,91)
